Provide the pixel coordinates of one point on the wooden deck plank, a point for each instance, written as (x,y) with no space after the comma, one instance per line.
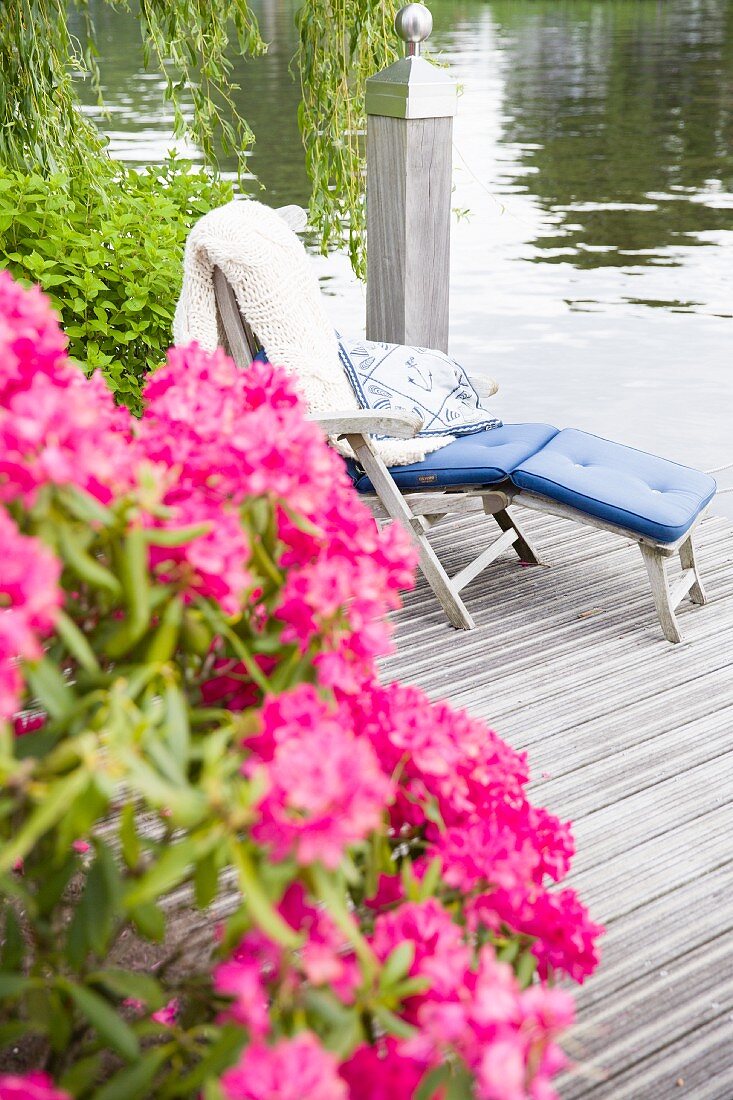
(659,936)
(672,1003)
(633,737)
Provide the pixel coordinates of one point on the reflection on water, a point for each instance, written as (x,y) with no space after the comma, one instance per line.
(594,151)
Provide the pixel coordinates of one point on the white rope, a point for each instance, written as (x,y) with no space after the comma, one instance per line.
(720,470)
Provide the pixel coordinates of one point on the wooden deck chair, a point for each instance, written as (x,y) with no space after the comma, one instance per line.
(621,499)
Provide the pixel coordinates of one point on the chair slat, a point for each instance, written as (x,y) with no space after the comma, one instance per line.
(242,342)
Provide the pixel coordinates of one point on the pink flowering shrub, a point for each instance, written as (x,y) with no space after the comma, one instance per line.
(191,606)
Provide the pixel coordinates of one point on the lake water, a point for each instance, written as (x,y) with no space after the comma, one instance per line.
(593,275)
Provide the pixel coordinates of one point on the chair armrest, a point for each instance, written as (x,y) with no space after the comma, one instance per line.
(483,385)
(399,425)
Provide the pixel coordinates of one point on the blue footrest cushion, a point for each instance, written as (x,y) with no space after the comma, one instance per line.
(645,494)
(483,458)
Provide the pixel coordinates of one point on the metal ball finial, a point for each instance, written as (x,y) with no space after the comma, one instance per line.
(413,24)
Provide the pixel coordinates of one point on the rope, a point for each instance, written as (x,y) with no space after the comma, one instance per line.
(720,470)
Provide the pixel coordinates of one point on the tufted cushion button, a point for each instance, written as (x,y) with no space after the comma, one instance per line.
(616,485)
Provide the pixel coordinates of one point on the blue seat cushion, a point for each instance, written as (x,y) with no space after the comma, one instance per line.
(647,495)
(483,458)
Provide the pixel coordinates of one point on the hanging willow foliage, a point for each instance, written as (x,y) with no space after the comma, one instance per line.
(341,43)
(40,124)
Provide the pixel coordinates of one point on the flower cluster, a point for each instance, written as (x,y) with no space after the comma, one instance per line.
(29,599)
(475,1007)
(31,1086)
(224,598)
(288,1070)
(55,425)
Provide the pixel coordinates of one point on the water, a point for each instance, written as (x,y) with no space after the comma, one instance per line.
(593,274)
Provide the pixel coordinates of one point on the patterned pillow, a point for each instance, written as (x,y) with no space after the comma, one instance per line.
(400,378)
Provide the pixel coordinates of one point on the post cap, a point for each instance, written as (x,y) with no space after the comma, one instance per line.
(413,23)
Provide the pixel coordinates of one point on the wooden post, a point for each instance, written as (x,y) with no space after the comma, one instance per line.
(410,107)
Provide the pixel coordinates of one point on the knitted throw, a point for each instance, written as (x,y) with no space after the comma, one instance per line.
(278,293)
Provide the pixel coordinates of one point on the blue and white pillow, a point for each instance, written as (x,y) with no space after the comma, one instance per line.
(399,378)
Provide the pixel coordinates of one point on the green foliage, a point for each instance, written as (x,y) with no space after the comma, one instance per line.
(342,43)
(109,258)
(151,782)
(40,126)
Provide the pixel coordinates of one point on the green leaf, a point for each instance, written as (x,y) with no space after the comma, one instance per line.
(13,947)
(43,817)
(150,921)
(104,1020)
(212,1090)
(397,964)
(49,687)
(525,969)
(178,731)
(262,912)
(11,1032)
(80,1077)
(220,1055)
(163,642)
(430,880)
(86,568)
(53,884)
(130,983)
(133,1082)
(133,573)
(60,1022)
(75,642)
(128,836)
(175,536)
(171,868)
(12,985)
(432,1083)
(393,1024)
(206,880)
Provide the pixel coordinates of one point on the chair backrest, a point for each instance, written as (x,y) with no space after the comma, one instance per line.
(242,344)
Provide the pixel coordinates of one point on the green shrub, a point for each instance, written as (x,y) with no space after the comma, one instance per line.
(109,258)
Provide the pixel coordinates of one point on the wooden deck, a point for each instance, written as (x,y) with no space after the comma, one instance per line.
(630,737)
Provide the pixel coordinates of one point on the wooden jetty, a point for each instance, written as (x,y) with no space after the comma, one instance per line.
(630,737)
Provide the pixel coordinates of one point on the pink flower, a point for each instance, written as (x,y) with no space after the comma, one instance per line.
(501,1071)
(214,563)
(289,1070)
(29,1086)
(242,980)
(444,757)
(504,1036)
(325,788)
(29,600)
(168,1014)
(381,1073)
(28,723)
(231,685)
(565,936)
(441,952)
(55,425)
(326,957)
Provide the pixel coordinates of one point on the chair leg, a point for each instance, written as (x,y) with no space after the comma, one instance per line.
(687,557)
(656,567)
(441,584)
(445,591)
(523,547)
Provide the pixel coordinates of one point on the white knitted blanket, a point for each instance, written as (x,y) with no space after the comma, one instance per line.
(278,293)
